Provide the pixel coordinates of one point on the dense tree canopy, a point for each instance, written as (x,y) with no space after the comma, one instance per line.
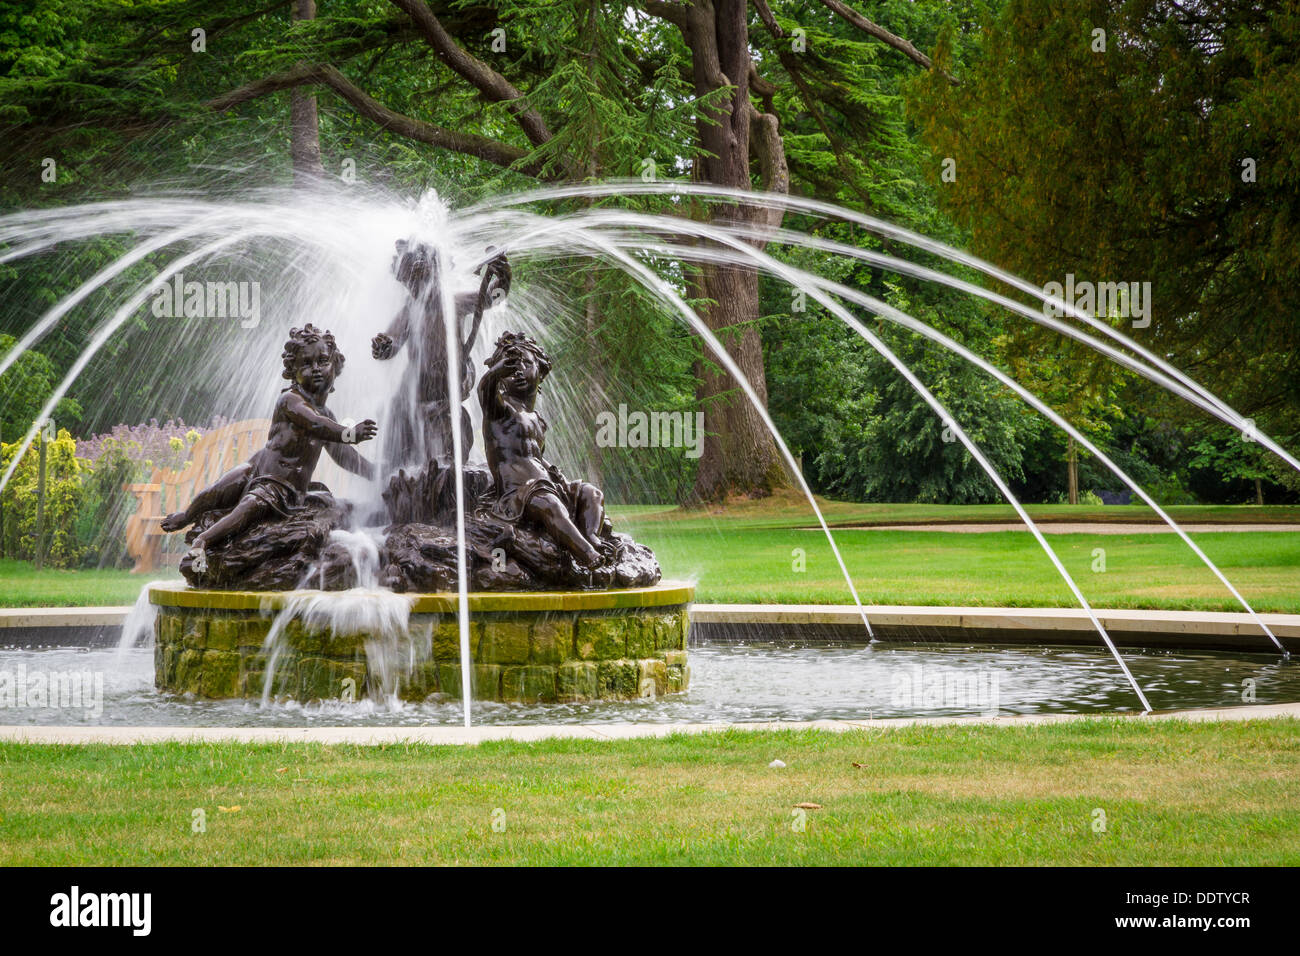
(1142,141)
(1128,164)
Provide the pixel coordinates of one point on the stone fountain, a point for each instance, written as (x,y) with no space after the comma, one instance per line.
(562,607)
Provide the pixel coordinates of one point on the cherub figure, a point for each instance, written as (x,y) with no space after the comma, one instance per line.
(527,485)
(420,328)
(276,479)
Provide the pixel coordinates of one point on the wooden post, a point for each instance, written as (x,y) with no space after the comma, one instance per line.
(40,498)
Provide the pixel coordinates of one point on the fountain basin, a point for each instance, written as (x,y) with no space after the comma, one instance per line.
(530,647)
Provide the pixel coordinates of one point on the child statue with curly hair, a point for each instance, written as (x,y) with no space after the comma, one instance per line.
(528,487)
(276,479)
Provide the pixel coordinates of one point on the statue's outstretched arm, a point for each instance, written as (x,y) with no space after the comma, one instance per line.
(493,288)
(386,343)
(349,459)
(322,427)
(487,385)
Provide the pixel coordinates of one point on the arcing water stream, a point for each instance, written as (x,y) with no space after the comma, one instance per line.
(327,261)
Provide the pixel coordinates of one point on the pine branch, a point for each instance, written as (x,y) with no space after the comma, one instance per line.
(884,36)
(482,77)
(470,144)
(795,70)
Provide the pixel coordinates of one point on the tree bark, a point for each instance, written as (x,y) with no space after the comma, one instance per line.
(1072,472)
(739,455)
(304,122)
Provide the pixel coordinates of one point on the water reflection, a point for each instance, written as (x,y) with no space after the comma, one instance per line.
(768,681)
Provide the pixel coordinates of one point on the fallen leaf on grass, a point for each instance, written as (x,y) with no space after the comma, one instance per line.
(286,769)
(808,806)
(859,765)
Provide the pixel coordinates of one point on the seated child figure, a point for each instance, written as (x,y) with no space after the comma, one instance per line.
(275,480)
(514,433)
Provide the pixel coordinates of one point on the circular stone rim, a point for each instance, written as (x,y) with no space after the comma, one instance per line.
(664,594)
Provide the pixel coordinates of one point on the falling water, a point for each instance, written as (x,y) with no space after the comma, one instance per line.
(381,616)
(138,628)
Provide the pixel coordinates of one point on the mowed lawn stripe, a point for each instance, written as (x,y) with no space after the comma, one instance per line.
(1169,793)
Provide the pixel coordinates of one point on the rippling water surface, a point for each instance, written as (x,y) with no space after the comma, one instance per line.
(729,682)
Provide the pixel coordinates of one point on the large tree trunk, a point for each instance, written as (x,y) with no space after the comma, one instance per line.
(599,383)
(739,455)
(304,128)
(1072,472)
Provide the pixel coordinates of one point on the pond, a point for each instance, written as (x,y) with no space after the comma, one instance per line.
(756,681)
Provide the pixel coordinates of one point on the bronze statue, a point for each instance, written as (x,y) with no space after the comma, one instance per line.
(275,481)
(527,526)
(427,434)
(526,484)
(267,526)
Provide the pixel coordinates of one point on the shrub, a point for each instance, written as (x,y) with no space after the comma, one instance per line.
(24,390)
(1171,491)
(148,445)
(101,523)
(64,495)
(118,457)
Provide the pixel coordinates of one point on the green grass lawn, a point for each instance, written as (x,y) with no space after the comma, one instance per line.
(789,509)
(1172,793)
(743,565)
(21,585)
(750,552)
(747,553)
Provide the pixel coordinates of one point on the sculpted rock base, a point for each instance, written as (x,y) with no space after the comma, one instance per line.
(419,553)
(501,558)
(276,555)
